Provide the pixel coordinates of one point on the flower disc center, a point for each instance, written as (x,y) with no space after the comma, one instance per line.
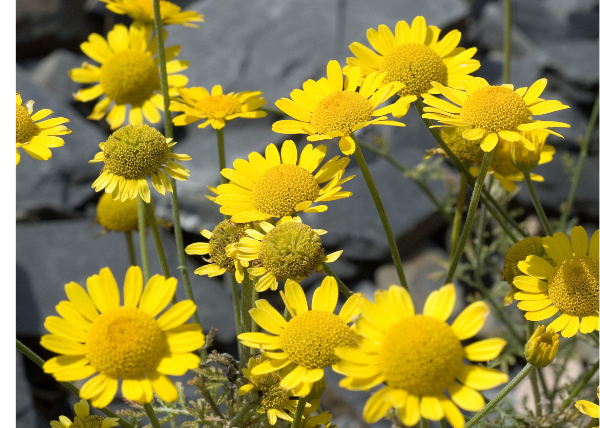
(26,128)
(495,108)
(416,66)
(281,188)
(272,396)
(125,343)
(341,112)
(219,106)
(90,421)
(129,77)
(421,355)
(226,232)
(311,338)
(573,286)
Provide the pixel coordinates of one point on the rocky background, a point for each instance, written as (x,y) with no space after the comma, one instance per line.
(273,46)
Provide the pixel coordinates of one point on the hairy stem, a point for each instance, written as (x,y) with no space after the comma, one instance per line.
(538,205)
(151,415)
(299,411)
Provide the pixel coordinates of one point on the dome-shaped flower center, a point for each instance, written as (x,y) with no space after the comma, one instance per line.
(531,246)
(219,106)
(125,343)
(465,150)
(341,112)
(135,151)
(291,250)
(120,216)
(573,286)
(495,108)
(129,77)
(311,337)
(225,233)
(416,66)
(25,126)
(421,355)
(91,421)
(281,188)
(272,396)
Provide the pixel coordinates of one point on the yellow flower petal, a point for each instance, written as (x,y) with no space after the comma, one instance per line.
(440,303)
(484,350)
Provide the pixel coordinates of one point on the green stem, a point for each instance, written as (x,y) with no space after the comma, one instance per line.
(160,251)
(151,415)
(580,162)
(592,423)
(538,206)
(142,234)
(533,376)
(490,406)
(221,144)
(507,40)
(582,383)
(364,168)
(241,414)
(299,411)
(130,248)
(460,205)
(236,310)
(254,299)
(40,362)
(206,394)
(343,288)
(162,64)
(485,164)
(247,304)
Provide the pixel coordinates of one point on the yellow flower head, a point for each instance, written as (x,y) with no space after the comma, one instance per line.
(142,12)
(570,286)
(279,185)
(84,419)
(216,107)
(95,335)
(274,400)
(331,107)
(37,138)
(494,112)
(130,154)
(290,250)
(119,216)
(589,408)
(128,75)
(307,342)
(419,356)
(416,57)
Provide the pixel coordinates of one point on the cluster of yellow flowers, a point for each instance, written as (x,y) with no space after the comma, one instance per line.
(419,358)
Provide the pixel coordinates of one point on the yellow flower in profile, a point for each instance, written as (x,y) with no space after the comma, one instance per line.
(416,57)
(130,154)
(274,400)
(216,107)
(307,342)
(95,335)
(494,112)
(279,185)
(288,250)
(589,408)
(419,357)
(331,107)
(118,216)
(142,11)
(37,138)
(128,75)
(83,419)
(570,287)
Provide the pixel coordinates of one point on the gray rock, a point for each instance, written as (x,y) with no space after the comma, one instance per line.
(52,73)
(563,55)
(26,416)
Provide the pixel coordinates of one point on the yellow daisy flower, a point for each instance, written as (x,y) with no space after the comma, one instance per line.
(142,11)
(589,408)
(494,112)
(83,419)
(308,340)
(419,356)
(130,154)
(288,250)
(95,335)
(570,287)
(216,107)
(279,185)
(128,74)
(331,107)
(274,400)
(37,138)
(416,57)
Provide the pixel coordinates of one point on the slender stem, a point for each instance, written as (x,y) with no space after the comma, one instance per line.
(538,206)
(160,251)
(254,299)
(236,310)
(162,64)
(142,235)
(580,162)
(490,406)
(151,415)
(364,168)
(299,411)
(130,248)
(485,164)
(221,144)
(592,423)
(460,205)
(40,362)
(582,383)
(247,303)
(343,288)
(241,414)
(507,40)
(215,408)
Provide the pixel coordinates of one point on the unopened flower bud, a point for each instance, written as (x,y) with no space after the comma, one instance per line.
(541,348)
